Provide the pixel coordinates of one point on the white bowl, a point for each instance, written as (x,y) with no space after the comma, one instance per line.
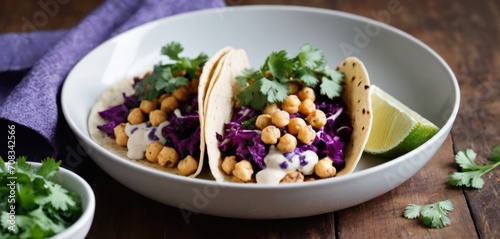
(397,62)
(75,183)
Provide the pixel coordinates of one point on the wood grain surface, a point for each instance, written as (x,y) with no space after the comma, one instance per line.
(465,33)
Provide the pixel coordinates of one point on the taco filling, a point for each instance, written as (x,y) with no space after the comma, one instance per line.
(158,118)
(290,121)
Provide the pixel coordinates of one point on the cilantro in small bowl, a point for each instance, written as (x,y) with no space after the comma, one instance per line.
(42,200)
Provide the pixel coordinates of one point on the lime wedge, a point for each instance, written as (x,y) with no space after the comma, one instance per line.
(396,129)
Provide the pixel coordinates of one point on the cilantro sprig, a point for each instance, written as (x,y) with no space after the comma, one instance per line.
(269,84)
(41,207)
(433,215)
(471,173)
(169,77)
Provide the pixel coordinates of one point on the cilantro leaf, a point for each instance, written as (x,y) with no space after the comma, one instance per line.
(432,215)
(308,67)
(196,64)
(471,173)
(252,96)
(308,77)
(329,88)
(468,179)
(172,50)
(23,166)
(5,221)
(49,167)
(168,82)
(279,65)
(274,90)
(58,197)
(45,222)
(246,76)
(169,77)
(331,83)
(26,196)
(465,159)
(412,211)
(312,57)
(146,88)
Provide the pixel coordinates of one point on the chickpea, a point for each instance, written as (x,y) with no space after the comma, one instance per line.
(168,157)
(193,85)
(270,109)
(294,88)
(291,104)
(316,119)
(135,116)
(280,118)
(156,117)
(306,107)
(306,93)
(270,134)
(120,135)
(169,104)
(163,96)
(293,177)
(152,151)
(324,168)
(228,164)
(198,72)
(306,134)
(235,179)
(187,166)
(287,143)
(263,121)
(181,94)
(243,170)
(295,124)
(147,106)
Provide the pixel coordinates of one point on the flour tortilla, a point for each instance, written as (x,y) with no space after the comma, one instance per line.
(113,96)
(356,96)
(220,108)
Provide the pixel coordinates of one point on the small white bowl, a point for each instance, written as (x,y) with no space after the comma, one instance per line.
(72,182)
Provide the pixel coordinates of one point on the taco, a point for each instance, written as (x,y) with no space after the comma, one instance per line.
(291,120)
(157,119)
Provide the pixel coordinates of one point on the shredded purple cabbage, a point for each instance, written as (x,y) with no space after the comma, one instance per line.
(330,140)
(183,132)
(108,128)
(244,143)
(117,114)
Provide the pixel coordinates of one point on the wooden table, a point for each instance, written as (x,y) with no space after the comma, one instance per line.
(465,33)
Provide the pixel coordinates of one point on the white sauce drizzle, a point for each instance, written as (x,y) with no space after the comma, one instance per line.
(274,160)
(138,138)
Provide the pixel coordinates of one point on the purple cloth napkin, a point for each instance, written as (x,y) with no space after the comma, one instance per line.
(32,103)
